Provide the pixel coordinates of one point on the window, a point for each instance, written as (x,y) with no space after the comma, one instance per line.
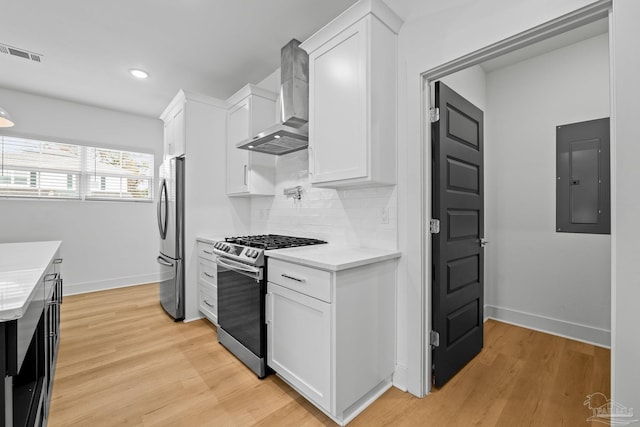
(115,174)
(44,169)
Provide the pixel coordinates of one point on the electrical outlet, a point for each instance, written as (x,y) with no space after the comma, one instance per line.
(384,216)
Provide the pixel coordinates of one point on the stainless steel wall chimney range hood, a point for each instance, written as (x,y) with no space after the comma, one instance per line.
(292,134)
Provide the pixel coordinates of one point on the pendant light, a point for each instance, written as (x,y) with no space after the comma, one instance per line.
(5,119)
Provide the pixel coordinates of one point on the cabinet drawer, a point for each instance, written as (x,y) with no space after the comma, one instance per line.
(207,271)
(205,250)
(208,301)
(306,280)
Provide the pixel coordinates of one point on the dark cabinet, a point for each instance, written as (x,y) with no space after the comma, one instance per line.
(28,355)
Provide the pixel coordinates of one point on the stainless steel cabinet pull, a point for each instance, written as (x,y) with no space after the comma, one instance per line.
(207,252)
(209,275)
(293,278)
(59,285)
(245,174)
(207,303)
(51,276)
(57,261)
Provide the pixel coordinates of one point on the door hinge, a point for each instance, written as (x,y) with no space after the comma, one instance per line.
(434,226)
(434,339)
(434,114)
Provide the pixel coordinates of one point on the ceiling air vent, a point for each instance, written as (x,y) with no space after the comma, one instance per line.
(22,53)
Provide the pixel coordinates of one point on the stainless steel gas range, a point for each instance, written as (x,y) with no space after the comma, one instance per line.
(242,286)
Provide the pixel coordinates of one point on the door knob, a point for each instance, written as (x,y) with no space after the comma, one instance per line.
(483,242)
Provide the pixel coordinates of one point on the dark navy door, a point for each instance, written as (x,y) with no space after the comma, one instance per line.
(458,254)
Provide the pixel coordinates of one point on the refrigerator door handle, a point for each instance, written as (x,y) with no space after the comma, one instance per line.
(163,262)
(163,201)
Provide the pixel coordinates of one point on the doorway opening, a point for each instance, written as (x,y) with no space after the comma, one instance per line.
(527,86)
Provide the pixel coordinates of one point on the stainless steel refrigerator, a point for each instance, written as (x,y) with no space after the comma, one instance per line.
(171,228)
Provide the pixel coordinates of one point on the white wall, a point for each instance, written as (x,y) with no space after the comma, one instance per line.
(352,217)
(471,83)
(433,34)
(535,277)
(105,244)
(626,227)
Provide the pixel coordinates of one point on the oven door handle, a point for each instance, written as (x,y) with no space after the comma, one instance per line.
(240,267)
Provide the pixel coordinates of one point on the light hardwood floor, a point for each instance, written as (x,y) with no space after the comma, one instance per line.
(123,362)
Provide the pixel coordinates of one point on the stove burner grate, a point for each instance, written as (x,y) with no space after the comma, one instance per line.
(273,241)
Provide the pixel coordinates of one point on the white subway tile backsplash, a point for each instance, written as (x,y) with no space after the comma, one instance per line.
(352,217)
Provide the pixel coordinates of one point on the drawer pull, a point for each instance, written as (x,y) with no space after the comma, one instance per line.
(209,275)
(207,303)
(207,252)
(57,261)
(293,278)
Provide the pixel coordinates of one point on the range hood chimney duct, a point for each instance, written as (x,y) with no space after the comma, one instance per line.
(292,133)
(294,88)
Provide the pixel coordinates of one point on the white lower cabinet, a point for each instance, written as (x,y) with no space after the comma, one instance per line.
(331,334)
(207,282)
(299,343)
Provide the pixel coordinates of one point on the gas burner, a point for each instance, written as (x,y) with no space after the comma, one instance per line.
(273,241)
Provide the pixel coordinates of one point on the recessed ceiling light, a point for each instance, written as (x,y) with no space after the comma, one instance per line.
(138,74)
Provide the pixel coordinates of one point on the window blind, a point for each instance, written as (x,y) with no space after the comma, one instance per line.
(116,174)
(44,169)
(30,168)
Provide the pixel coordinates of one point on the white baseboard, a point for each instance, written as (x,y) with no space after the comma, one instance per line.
(400,376)
(102,285)
(562,328)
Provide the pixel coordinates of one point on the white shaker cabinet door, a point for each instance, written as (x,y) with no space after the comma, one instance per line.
(174,132)
(179,136)
(299,342)
(238,160)
(249,173)
(338,144)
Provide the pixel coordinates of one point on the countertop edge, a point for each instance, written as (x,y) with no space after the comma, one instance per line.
(309,262)
(209,240)
(11,314)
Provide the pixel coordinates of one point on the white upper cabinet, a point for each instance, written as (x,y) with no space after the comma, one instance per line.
(174,129)
(251,110)
(352,98)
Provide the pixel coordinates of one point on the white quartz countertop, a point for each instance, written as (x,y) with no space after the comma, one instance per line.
(22,266)
(209,239)
(331,257)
